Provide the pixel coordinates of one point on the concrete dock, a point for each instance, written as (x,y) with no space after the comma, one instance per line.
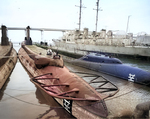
(142,51)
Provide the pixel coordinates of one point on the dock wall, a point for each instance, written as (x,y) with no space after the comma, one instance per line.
(128,50)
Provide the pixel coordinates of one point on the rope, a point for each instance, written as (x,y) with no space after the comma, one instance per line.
(23,100)
(18,90)
(41,105)
(3,56)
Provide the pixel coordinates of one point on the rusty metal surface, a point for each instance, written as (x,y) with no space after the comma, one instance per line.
(85,91)
(5,53)
(8,66)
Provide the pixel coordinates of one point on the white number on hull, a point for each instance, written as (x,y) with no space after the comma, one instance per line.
(131,77)
(67,105)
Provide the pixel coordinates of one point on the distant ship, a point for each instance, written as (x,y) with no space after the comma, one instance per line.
(121,44)
(110,41)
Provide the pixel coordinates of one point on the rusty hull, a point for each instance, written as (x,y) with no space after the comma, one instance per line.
(8,61)
(86,101)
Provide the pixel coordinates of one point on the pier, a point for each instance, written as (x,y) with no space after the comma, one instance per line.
(80,49)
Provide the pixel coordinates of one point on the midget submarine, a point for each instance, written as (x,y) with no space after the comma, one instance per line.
(113,66)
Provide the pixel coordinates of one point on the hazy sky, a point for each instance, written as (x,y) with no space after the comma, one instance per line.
(63,14)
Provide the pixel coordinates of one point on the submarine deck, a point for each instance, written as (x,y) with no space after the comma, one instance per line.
(38,50)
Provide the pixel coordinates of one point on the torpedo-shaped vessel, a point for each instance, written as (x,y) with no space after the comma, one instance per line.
(113,66)
(71,91)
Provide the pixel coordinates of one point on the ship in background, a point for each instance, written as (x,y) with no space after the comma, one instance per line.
(111,41)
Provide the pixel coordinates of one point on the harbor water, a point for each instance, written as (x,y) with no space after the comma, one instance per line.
(20,99)
(143,64)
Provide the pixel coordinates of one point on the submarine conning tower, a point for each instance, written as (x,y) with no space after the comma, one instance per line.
(4,38)
(28,40)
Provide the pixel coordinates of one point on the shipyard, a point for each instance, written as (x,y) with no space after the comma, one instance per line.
(83,72)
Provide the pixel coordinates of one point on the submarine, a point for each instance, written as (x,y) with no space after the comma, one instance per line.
(104,63)
(54,79)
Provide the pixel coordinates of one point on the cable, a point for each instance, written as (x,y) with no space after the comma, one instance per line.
(3,56)
(18,90)
(22,100)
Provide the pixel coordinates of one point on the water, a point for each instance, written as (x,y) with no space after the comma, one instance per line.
(143,64)
(20,99)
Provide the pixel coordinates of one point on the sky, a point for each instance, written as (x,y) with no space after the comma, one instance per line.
(63,14)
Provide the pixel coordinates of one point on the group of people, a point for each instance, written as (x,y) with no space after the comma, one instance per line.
(51,53)
(54,55)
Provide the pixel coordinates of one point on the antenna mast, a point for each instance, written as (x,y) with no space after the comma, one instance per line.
(97,9)
(128,23)
(80,7)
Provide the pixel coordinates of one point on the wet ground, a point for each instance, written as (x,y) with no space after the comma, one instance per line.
(20,99)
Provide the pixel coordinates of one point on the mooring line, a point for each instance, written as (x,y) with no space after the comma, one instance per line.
(23,100)
(18,90)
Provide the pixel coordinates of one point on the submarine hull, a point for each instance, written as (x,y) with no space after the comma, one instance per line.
(123,71)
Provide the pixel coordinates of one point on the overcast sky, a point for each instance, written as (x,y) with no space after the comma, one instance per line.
(65,15)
